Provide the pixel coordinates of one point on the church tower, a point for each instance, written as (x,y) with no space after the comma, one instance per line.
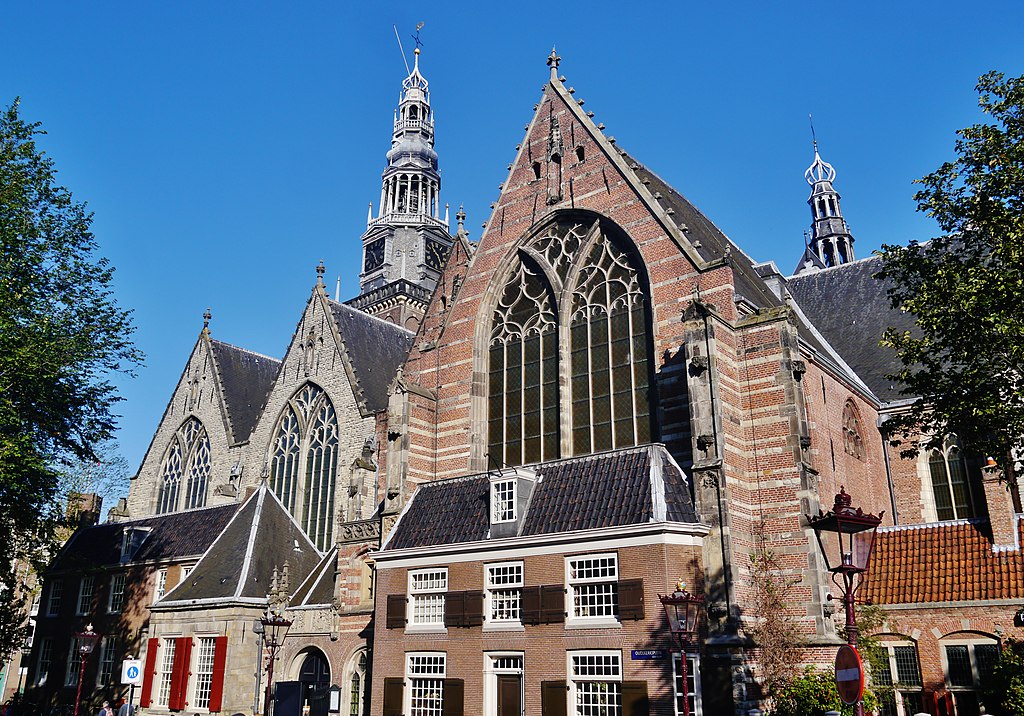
(831,243)
(407,242)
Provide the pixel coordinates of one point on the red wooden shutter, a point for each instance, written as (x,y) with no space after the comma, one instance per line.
(152,646)
(220,656)
(180,673)
(631,599)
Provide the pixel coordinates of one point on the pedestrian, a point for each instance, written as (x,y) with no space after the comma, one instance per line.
(125,709)
(106,710)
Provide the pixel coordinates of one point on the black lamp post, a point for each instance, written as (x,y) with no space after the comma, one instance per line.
(855,532)
(275,627)
(683,612)
(86,643)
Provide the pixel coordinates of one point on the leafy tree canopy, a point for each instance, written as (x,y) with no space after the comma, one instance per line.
(62,337)
(965,362)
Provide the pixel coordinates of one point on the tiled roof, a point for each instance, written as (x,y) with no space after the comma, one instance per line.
(943,562)
(172,536)
(609,489)
(246,378)
(240,563)
(851,309)
(375,348)
(318,587)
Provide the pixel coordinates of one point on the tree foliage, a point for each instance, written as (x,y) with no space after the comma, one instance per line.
(965,361)
(774,632)
(1003,686)
(62,337)
(814,693)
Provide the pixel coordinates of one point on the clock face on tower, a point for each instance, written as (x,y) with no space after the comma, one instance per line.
(374,255)
(435,254)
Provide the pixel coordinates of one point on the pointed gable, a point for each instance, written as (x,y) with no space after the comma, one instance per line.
(245,378)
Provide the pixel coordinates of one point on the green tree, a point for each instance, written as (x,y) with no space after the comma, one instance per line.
(964,363)
(62,337)
(814,693)
(1003,686)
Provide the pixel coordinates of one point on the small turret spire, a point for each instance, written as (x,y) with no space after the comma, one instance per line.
(206,320)
(320,273)
(553,61)
(830,242)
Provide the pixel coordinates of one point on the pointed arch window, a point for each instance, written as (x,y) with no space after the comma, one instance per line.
(956,483)
(187,460)
(568,369)
(852,442)
(304,462)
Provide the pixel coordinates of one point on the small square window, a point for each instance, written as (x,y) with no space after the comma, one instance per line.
(503,501)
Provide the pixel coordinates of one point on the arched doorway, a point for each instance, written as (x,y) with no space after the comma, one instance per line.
(315,678)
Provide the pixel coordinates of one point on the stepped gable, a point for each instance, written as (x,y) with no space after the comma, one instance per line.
(851,310)
(238,566)
(942,562)
(376,349)
(171,536)
(246,379)
(610,489)
(318,588)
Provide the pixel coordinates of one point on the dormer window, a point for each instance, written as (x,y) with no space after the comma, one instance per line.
(503,501)
(131,541)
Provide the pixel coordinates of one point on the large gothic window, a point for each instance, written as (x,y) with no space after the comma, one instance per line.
(304,462)
(187,460)
(574,299)
(956,484)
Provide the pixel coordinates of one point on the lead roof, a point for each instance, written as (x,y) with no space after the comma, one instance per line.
(246,378)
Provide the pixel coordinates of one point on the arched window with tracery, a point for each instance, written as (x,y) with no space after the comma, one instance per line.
(357,685)
(852,443)
(304,462)
(187,458)
(956,483)
(575,298)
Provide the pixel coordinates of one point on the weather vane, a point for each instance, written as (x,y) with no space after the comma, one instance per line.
(416,37)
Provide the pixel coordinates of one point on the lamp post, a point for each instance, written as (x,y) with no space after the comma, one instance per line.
(86,643)
(855,532)
(274,629)
(683,612)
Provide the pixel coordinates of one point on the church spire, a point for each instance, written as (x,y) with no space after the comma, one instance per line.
(830,242)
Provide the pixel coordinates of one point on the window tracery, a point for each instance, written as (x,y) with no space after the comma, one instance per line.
(852,442)
(574,298)
(187,458)
(955,483)
(306,445)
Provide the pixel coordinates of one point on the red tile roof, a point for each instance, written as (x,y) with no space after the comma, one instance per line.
(942,563)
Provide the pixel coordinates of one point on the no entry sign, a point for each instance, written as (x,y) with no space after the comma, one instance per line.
(849,675)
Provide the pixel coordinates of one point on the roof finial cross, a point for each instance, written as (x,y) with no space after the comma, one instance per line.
(460,217)
(206,319)
(320,271)
(553,61)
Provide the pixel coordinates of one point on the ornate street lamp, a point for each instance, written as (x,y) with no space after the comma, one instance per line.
(86,643)
(848,554)
(683,612)
(275,627)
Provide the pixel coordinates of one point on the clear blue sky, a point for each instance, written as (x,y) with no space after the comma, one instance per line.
(227,147)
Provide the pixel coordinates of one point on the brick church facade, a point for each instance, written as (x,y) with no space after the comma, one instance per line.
(467,486)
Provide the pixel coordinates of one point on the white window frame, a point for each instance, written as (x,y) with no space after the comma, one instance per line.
(491,672)
(898,687)
(164,670)
(970,642)
(412,676)
(86,590)
(574,680)
(693,672)
(420,596)
(54,598)
(160,589)
(108,654)
(504,494)
(45,660)
(203,667)
(119,580)
(574,617)
(74,663)
(489,595)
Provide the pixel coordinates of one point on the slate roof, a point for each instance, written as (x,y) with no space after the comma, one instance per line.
(240,562)
(942,562)
(172,536)
(246,378)
(318,587)
(851,310)
(376,349)
(610,489)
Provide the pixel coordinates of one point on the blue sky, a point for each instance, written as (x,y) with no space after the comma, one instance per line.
(226,148)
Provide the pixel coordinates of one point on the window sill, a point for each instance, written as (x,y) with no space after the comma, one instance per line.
(593,623)
(426,629)
(504,626)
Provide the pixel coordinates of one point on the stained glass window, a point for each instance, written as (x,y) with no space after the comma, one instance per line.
(188,458)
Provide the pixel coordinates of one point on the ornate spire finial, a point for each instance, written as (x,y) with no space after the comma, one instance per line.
(206,319)
(460,217)
(553,61)
(814,138)
(320,271)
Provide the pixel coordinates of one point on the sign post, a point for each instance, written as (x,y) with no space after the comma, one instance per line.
(131,674)
(849,675)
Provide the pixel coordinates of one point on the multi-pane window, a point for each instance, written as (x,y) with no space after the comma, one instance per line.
(852,442)
(74,662)
(955,484)
(56,596)
(116,600)
(187,459)
(503,590)
(165,672)
(575,298)
(45,657)
(85,592)
(691,689)
(595,683)
(108,650)
(503,501)
(304,462)
(425,673)
(357,685)
(161,585)
(427,588)
(204,671)
(967,663)
(900,681)
(593,586)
